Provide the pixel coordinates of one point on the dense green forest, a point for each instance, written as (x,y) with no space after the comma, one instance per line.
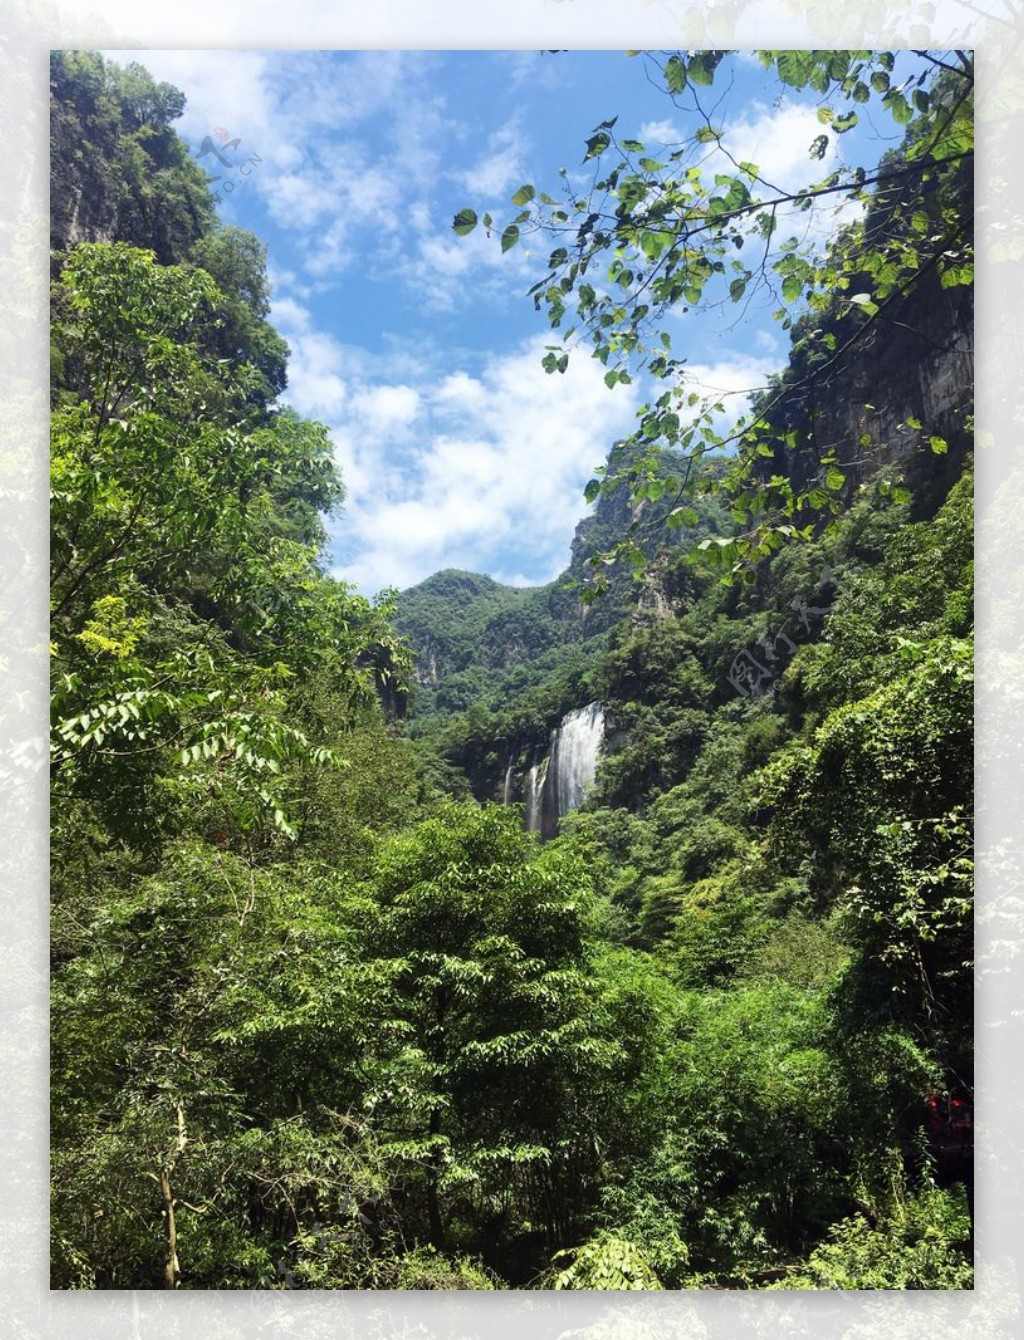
(325,1015)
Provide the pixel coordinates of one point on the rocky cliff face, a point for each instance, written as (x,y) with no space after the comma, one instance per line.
(914,364)
(118,171)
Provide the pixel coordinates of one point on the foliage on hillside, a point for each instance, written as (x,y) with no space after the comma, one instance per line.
(118,169)
(497,667)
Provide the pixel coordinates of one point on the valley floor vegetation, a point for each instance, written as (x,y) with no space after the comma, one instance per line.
(324,1016)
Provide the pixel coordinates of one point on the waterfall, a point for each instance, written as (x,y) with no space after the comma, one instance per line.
(507,789)
(535,780)
(559,779)
(574,756)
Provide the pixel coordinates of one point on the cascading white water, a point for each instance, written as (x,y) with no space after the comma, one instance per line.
(574,757)
(534,790)
(507,789)
(557,782)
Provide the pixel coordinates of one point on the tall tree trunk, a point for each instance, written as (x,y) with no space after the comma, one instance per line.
(433,1173)
(172,1269)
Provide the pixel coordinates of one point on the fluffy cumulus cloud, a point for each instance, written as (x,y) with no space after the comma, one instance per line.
(317,366)
(500,168)
(477,469)
(728,381)
(480,471)
(345,146)
(778,140)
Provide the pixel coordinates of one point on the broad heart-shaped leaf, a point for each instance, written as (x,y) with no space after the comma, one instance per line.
(464,222)
(795,67)
(898,106)
(791,287)
(509,237)
(524,195)
(675,75)
(834,479)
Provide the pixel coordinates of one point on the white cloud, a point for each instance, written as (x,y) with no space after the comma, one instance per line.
(500,170)
(317,371)
(482,471)
(443,268)
(768,341)
(660,132)
(731,377)
(479,468)
(778,140)
(222,88)
(347,144)
(729,380)
(286,313)
(388,408)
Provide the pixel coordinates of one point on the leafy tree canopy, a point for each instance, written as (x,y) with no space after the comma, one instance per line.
(653,235)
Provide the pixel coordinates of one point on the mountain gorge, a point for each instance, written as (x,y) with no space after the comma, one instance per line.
(610,934)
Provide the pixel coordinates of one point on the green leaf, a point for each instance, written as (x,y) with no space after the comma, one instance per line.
(465,221)
(675,75)
(616,375)
(898,107)
(834,479)
(509,237)
(592,490)
(795,67)
(865,302)
(698,71)
(524,195)
(791,288)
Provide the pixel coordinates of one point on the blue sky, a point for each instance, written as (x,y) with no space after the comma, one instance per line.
(420,350)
